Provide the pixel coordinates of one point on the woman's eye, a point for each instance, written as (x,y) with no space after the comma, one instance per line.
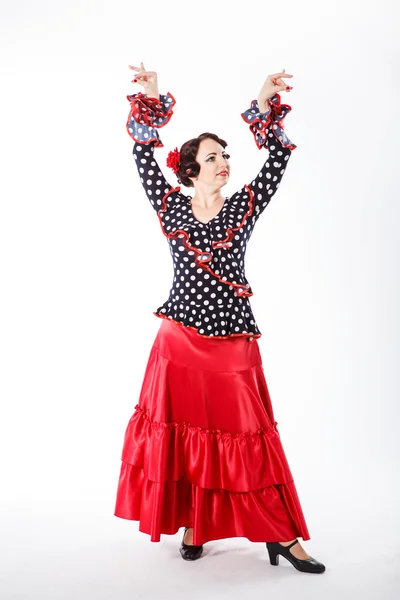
(226,156)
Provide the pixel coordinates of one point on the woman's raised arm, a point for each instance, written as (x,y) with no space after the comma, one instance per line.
(149,111)
(265,117)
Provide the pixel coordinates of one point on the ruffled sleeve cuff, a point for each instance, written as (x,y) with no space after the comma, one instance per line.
(261,124)
(148,114)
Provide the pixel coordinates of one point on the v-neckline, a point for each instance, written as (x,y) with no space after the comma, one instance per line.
(212,218)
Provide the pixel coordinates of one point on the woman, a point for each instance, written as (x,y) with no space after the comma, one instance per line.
(202,450)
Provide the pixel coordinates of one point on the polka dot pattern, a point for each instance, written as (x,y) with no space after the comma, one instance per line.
(261,124)
(147,134)
(209,290)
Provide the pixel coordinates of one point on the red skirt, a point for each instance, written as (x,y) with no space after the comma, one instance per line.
(202,448)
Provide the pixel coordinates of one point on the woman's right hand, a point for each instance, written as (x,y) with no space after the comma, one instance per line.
(148,79)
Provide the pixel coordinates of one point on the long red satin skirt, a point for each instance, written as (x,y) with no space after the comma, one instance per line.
(202,448)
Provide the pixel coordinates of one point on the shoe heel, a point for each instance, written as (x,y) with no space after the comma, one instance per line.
(273,554)
(307,565)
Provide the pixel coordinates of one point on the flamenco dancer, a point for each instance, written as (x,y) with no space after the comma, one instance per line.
(202,449)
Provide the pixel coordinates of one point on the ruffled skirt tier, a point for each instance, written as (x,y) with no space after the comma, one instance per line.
(202,448)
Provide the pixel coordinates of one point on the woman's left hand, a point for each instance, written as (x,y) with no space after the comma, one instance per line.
(273,84)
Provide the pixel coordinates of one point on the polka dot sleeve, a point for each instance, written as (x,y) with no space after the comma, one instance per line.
(146,116)
(154,183)
(268,132)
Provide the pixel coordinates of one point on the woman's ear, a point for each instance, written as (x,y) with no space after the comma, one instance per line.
(188,171)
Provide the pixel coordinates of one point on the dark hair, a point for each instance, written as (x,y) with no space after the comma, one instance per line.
(188,160)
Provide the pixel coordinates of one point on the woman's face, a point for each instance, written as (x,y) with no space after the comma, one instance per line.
(214,164)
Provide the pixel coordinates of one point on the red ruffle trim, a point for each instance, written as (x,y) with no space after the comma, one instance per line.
(271,118)
(253,336)
(145,110)
(170,451)
(204,257)
(226,243)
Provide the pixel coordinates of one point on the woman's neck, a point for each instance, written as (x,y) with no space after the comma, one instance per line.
(207,199)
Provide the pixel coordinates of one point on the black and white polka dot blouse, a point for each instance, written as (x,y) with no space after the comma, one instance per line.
(210,291)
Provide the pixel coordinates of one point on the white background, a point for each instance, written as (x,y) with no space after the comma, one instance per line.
(77,295)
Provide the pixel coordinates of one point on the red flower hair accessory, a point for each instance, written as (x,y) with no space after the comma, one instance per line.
(173,160)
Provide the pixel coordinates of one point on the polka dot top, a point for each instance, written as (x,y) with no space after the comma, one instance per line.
(209,292)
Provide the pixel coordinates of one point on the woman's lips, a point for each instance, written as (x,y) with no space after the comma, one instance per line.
(223,174)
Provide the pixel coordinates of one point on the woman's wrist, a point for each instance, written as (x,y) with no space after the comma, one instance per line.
(153,93)
(263,105)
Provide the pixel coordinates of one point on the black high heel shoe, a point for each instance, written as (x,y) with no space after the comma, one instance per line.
(189,552)
(308,565)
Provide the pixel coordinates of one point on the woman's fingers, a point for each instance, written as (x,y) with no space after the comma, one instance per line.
(141,68)
(143,76)
(277,79)
(279,82)
(282,74)
(143,73)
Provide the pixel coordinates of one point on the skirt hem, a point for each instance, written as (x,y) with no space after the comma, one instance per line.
(214,539)
(272,513)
